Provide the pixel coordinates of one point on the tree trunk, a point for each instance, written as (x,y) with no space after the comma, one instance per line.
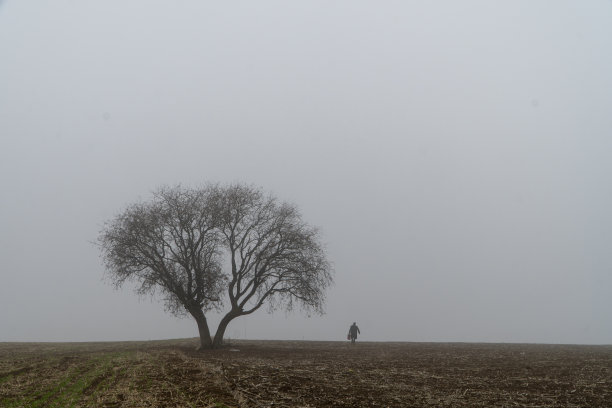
(218,341)
(205,340)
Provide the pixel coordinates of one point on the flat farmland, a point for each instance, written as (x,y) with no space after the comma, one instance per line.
(304,374)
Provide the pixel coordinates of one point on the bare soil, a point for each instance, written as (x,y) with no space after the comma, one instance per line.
(304,374)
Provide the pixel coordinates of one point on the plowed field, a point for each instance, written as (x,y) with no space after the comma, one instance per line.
(304,374)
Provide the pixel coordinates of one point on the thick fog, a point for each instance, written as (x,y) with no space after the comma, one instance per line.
(456,156)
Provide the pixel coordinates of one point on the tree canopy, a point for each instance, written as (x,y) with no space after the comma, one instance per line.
(232,248)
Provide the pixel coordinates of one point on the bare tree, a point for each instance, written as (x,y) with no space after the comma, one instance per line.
(177,242)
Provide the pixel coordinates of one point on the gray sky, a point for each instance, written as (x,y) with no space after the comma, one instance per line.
(455,154)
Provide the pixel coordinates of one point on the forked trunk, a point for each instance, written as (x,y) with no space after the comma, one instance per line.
(205,340)
(218,341)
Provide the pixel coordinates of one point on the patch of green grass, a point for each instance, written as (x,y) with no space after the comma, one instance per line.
(107,380)
(12,404)
(70,389)
(6,378)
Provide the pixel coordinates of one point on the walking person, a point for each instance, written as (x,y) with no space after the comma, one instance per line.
(353,330)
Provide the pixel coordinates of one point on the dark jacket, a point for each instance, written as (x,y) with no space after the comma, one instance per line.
(354,330)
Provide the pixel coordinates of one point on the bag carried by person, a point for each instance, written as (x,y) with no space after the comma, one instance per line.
(348,336)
